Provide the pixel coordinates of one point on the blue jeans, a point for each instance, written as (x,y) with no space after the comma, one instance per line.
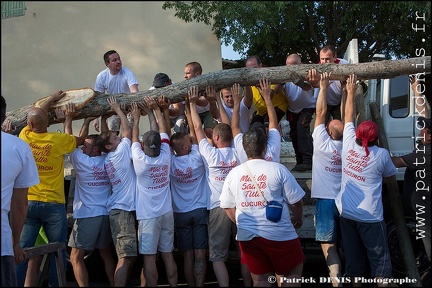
(52,216)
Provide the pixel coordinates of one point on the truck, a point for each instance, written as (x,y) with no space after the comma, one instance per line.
(395,101)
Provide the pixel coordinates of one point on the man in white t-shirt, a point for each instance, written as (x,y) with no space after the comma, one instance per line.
(115,79)
(91,228)
(18,174)
(267,248)
(326,179)
(359,202)
(227,104)
(220,158)
(154,212)
(328,55)
(121,203)
(301,108)
(190,193)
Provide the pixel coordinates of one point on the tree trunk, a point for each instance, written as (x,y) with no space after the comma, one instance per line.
(245,76)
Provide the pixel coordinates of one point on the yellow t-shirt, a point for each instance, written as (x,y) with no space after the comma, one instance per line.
(279,100)
(48,151)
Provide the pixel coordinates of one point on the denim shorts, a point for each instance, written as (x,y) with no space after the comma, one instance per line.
(327,223)
(191,229)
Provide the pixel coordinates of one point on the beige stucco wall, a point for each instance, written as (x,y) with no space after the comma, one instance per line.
(60,45)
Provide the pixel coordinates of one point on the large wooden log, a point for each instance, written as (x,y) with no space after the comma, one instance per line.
(245,76)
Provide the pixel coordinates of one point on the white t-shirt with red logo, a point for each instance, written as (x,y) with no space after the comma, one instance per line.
(360,198)
(219,162)
(327,162)
(277,184)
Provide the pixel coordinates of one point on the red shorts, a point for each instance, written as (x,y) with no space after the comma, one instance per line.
(264,256)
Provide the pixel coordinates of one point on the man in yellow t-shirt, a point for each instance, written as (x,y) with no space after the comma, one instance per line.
(279,100)
(46,200)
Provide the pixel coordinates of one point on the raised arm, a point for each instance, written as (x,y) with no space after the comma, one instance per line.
(136,114)
(85,126)
(321,104)
(266,93)
(190,122)
(146,106)
(163,104)
(193,97)
(69,114)
(349,105)
(211,98)
(237,98)
(223,115)
(57,95)
(124,123)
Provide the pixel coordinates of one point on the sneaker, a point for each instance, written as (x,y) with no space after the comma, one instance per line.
(302,167)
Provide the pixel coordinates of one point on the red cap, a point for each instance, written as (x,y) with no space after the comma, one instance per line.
(367,132)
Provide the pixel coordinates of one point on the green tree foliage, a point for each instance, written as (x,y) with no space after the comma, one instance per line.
(275,28)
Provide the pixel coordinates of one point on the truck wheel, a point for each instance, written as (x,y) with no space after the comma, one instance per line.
(420,256)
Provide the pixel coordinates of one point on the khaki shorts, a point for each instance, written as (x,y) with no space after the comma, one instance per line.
(90,233)
(221,229)
(156,234)
(123,232)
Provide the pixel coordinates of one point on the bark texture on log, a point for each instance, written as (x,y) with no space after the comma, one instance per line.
(245,76)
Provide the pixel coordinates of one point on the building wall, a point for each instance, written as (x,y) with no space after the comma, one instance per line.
(60,45)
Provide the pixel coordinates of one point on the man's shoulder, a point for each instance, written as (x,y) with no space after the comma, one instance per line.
(341,61)
(127,70)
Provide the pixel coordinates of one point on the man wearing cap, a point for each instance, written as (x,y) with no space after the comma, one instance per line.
(154,212)
(176,110)
(359,201)
(418,172)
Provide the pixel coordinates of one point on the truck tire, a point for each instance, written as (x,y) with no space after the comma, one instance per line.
(398,264)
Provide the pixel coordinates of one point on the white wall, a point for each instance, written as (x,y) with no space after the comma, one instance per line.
(60,45)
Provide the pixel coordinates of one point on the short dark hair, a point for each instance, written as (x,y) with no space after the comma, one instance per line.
(254,143)
(92,137)
(224,131)
(102,140)
(3,108)
(177,137)
(107,54)
(196,67)
(329,47)
(256,57)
